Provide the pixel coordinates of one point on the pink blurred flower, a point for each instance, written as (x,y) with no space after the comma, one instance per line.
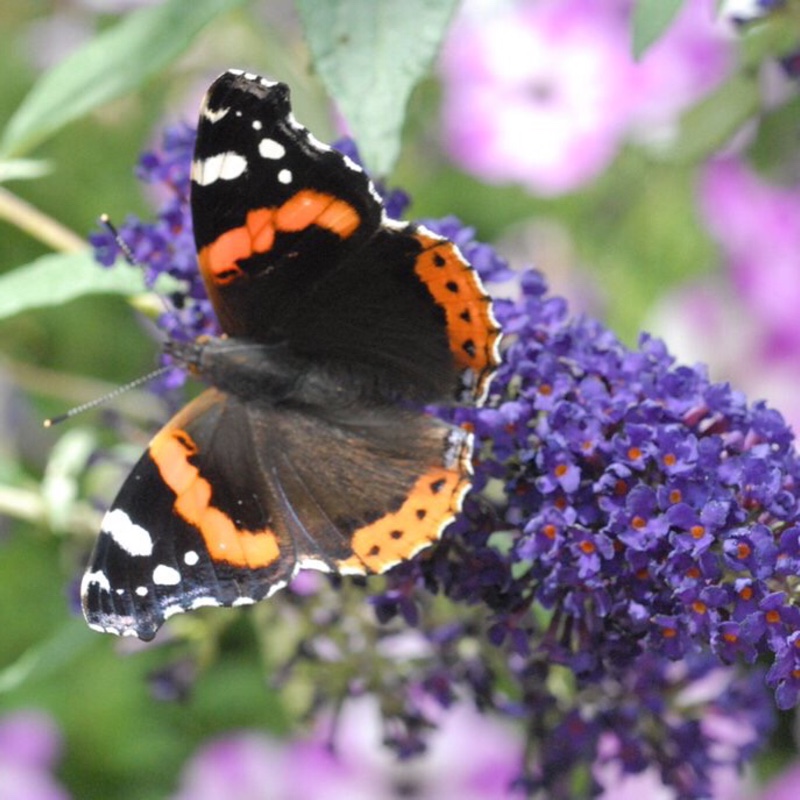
(757,225)
(648,784)
(544,92)
(745,323)
(689,61)
(523,98)
(785,787)
(471,758)
(706,323)
(246,765)
(30,746)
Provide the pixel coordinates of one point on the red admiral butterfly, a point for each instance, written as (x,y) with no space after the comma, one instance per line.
(308,451)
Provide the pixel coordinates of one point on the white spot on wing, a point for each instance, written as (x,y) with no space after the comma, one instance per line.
(301,129)
(257,125)
(285,176)
(99,577)
(171,611)
(251,76)
(243,601)
(350,164)
(166,576)
(316,143)
(116,630)
(132,538)
(276,587)
(314,563)
(199,602)
(269,148)
(214,115)
(221,167)
(393,224)
(141,591)
(190,558)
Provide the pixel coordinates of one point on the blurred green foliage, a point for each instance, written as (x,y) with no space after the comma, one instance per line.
(636,228)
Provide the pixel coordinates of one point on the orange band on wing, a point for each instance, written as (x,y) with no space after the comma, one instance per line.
(455,286)
(432,503)
(308,207)
(219,261)
(171,450)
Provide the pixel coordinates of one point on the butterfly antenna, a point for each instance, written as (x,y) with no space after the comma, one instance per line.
(157,373)
(128,255)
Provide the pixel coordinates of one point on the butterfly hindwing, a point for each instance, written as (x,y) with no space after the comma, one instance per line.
(232,498)
(365,490)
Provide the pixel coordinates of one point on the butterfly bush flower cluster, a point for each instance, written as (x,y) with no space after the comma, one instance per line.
(649,509)
(166,246)
(633,534)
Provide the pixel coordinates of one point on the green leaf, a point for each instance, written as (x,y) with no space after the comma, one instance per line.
(66,467)
(47,658)
(55,279)
(651,18)
(113,63)
(370,54)
(706,127)
(16,169)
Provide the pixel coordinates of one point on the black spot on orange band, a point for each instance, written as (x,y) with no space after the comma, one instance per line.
(455,286)
(434,500)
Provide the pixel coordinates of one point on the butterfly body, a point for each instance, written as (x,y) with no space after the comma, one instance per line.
(310,448)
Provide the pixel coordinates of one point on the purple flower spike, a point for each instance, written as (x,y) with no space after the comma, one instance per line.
(166,246)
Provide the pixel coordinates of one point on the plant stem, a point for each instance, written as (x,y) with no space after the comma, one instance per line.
(37,224)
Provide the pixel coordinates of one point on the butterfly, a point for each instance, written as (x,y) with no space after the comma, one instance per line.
(310,448)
